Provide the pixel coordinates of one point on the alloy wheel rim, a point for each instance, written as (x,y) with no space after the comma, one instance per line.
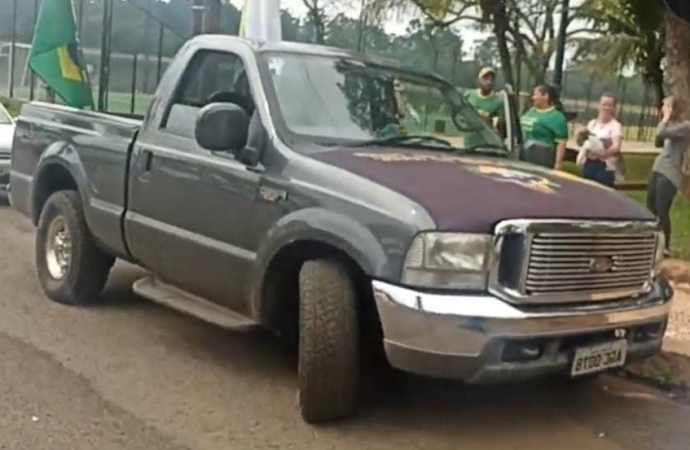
(58,249)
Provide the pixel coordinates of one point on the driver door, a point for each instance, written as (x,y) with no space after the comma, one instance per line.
(191,208)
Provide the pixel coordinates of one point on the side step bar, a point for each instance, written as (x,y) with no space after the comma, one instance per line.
(175,298)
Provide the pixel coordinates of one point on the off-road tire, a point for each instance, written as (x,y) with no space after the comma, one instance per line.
(89,267)
(328,342)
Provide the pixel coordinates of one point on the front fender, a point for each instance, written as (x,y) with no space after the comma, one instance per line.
(328,227)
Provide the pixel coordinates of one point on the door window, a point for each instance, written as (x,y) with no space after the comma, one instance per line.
(210,77)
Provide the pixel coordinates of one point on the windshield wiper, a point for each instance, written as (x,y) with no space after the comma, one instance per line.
(494,149)
(408,140)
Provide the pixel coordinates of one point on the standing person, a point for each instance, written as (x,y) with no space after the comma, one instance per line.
(545,127)
(487,102)
(602,167)
(673,136)
(484,99)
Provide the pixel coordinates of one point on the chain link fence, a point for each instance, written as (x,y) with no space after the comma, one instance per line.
(128,44)
(123,80)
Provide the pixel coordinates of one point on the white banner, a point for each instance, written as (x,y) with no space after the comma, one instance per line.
(261,20)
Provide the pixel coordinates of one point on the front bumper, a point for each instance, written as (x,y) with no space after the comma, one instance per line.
(482,339)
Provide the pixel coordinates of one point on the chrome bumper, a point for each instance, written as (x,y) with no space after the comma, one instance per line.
(482,339)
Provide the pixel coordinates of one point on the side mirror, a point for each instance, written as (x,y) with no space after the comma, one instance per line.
(222,127)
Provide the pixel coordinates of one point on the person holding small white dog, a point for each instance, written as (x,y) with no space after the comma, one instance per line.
(600,144)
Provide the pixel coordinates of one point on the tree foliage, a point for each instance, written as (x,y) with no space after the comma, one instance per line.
(630,34)
(432,41)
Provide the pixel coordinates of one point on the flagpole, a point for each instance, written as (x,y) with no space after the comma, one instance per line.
(86,75)
(13,54)
(32,89)
(82,56)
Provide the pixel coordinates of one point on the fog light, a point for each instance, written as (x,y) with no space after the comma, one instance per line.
(522,351)
(650,332)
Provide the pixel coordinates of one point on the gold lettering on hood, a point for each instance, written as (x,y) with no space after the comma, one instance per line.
(410,157)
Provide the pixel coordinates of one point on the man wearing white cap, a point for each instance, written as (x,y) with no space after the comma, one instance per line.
(486,101)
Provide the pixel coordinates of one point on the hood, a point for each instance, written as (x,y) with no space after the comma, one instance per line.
(473,194)
(6,138)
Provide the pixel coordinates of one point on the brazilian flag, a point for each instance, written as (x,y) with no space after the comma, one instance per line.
(55,55)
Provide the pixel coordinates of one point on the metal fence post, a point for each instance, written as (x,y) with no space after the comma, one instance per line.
(105,55)
(161,35)
(80,19)
(134,83)
(13,49)
(32,88)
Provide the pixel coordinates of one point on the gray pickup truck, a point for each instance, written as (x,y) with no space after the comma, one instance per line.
(347,204)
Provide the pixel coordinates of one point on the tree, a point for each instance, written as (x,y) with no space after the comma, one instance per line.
(630,33)
(677,62)
(524,27)
(486,53)
(316,18)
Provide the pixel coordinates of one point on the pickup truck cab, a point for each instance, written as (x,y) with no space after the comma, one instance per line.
(330,197)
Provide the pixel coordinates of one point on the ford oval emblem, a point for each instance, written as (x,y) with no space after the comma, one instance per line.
(600,264)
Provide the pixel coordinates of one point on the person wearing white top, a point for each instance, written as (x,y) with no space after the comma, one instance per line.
(599,160)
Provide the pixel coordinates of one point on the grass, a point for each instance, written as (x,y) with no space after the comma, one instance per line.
(680,224)
(118,102)
(12,109)
(636,167)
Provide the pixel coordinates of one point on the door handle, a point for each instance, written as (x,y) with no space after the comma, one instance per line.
(147,156)
(143,164)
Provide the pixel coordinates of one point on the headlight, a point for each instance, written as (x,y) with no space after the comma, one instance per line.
(448,260)
(659,257)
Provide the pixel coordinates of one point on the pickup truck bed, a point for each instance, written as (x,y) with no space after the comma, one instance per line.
(65,140)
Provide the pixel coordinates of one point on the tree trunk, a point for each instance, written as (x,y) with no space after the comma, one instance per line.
(678,67)
(501,24)
(678,56)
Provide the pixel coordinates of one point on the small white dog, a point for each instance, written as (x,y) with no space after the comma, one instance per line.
(591,145)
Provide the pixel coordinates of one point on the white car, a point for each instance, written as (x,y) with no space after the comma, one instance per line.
(7,126)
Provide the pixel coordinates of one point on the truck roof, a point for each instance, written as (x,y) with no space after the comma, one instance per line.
(304,49)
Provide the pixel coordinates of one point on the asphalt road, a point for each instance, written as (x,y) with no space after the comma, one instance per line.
(133,375)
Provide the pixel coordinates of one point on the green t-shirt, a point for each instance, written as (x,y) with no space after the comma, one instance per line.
(488,106)
(547,126)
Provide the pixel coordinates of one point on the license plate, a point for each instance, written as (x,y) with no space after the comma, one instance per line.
(599,357)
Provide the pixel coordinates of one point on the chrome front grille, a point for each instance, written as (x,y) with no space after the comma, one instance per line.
(589,263)
(560,261)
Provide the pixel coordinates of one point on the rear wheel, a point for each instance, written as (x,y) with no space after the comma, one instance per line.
(71,269)
(328,342)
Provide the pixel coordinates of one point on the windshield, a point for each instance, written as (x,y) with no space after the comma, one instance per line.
(5,118)
(336,101)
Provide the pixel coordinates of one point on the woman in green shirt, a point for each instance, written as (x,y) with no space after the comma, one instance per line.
(544,126)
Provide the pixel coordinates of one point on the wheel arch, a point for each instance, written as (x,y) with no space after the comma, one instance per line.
(309,235)
(59,169)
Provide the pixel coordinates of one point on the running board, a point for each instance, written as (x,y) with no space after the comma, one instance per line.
(177,299)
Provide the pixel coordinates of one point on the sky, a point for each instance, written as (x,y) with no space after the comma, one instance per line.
(297,9)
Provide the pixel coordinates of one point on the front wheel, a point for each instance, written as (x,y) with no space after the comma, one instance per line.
(328,342)
(72,270)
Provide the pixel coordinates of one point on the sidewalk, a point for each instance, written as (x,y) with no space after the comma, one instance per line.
(670,369)
(628,147)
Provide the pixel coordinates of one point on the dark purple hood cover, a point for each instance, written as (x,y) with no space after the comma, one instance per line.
(473,194)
